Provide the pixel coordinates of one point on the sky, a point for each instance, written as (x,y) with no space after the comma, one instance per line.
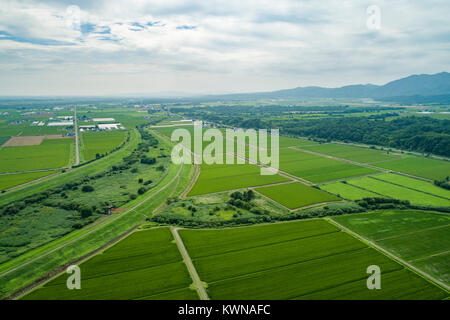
(136,47)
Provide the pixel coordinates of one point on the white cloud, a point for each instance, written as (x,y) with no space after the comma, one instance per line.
(127,46)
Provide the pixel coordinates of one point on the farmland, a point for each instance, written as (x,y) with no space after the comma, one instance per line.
(415,184)
(347,191)
(421,167)
(317,169)
(363,155)
(397,192)
(418,237)
(296,195)
(51,153)
(221,177)
(145,264)
(11,180)
(310,258)
(100,142)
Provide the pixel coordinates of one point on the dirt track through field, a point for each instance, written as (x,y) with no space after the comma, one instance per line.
(190,266)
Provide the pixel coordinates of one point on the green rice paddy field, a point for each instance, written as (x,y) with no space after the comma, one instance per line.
(348,191)
(296,195)
(318,169)
(296,260)
(100,142)
(421,238)
(421,167)
(145,265)
(398,192)
(222,177)
(51,153)
(11,180)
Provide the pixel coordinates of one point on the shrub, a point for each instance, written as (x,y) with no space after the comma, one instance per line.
(87,188)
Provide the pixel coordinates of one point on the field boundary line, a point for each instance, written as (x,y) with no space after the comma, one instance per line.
(431,256)
(392,256)
(413,232)
(189,265)
(193,182)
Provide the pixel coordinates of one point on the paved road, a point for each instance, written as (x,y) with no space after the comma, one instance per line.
(112,219)
(77,151)
(190,266)
(392,256)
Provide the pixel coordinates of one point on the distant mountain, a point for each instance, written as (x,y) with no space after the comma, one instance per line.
(415,85)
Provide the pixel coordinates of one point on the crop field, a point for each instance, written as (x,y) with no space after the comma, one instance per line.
(398,192)
(421,167)
(294,260)
(421,238)
(12,180)
(415,184)
(363,155)
(51,153)
(347,191)
(317,169)
(222,177)
(296,195)
(145,265)
(100,142)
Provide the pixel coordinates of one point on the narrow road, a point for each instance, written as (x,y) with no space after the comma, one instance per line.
(190,266)
(75,127)
(392,256)
(113,218)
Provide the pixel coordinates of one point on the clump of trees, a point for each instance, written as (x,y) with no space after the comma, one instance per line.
(444,183)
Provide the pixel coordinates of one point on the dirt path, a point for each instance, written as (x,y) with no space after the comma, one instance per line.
(390,255)
(190,266)
(112,219)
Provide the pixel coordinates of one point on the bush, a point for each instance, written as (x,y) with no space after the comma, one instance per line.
(142,190)
(87,188)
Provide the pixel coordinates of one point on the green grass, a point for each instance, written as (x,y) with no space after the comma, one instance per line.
(144,264)
(202,243)
(100,142)
(363,155)
(347,191)
(222,177)
(180,294)
(316,168)
(228,265)
(398,192)
(12,180)
(421,167)
(415,184)
(50,154)
(419,237)
(296,195)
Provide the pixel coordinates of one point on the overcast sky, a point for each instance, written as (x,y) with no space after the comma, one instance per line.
(209,46)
